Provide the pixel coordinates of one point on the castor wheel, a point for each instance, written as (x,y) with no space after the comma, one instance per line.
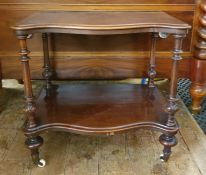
(41,163)
(164,158)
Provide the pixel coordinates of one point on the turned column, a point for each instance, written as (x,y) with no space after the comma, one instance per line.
(169,140)
(32,142)
(151,72)
(47,66)
(198,64)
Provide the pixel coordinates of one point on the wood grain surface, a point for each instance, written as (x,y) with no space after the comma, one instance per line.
(91,21)
(102,108)
(103,1)
(132,153)
(66,45)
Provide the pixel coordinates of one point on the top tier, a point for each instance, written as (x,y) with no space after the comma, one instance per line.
(100,23)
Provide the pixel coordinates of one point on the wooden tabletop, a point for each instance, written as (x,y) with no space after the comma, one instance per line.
(101,22)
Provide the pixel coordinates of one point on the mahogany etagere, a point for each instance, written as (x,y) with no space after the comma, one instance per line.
(100,108)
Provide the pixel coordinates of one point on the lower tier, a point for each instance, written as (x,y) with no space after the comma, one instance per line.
(100,108)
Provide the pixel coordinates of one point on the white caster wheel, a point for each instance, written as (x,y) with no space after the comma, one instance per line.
(41,163)
(162,158)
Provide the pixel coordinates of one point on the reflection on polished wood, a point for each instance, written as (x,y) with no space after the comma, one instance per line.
(90,49)
(100,109)
(110,23)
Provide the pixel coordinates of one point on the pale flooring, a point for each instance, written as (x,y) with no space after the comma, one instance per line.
(132,153)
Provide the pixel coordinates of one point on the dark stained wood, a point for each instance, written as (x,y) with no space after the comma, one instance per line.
(32,142)
(95,67)
(169,140)
(64,43)
(12,11)
(100,108)
(69,49)
(90,23)
(47,65)
(134,152)
(151,72)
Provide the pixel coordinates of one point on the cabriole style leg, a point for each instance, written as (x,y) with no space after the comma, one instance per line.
(169,140)
(151,71)
(32,142)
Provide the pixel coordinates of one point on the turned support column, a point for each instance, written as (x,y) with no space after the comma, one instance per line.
(47,66)
(169,140)
(198,64)
(30,105)
(32,142)
(151,72)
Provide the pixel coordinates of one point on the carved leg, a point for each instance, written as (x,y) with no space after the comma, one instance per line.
(151,71)
(169,140)
(32,142)
(47,66)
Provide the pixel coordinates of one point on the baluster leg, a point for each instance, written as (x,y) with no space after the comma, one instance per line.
(169,140)
(151,71)
(47,65)
(33,142)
